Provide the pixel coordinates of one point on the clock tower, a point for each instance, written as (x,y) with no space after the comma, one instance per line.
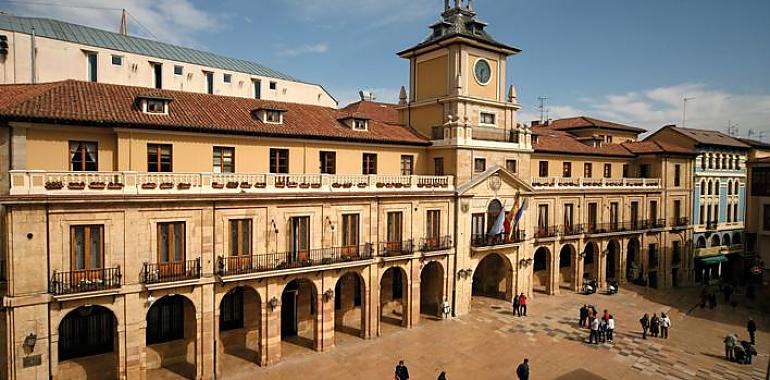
(458,97)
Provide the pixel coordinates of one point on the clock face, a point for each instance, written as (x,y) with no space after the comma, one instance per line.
(483,71)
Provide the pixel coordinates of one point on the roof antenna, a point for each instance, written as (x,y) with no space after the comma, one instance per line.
(542,108)
(123,22)
(684,109)
(732,129)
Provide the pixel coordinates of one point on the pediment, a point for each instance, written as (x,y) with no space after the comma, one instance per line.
(495,182)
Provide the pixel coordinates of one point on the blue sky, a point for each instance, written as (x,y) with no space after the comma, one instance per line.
(627,61)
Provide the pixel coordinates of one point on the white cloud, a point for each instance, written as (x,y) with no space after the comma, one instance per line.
(174,21)
(306,49)
(651,109)
(367,14)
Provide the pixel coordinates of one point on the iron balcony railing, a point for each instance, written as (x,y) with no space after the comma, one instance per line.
(680,222)
(654,223)
(236,265)
(428,244)
(570,229)
(542,232)
(81,281)
(604,228)
(711,225)
(484,240)
(396,248)
(154,273)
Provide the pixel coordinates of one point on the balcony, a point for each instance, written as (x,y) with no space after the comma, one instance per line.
(439,243)
(481,133)
(679,223)
(571,229)
(711,226)
(562,183)
(652,224)
(38,182)
(240,265)
(81,281)
(616,227)
(396,248)
(155,273)
(484,240)
(546,232)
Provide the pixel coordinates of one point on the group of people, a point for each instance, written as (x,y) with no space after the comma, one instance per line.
(602,328)
(657,326)
(520,305)
(742,351)
(402,373)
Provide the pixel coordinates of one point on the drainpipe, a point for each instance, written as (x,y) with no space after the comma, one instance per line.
(33,53)
(456,243)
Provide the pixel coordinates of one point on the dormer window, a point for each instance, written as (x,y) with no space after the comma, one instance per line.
(154,104)
(360,124)
(270,114)
(356,122)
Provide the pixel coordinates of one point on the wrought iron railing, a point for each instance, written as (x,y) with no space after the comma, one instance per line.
(81,281)
(428,244)
(570,229)
(396,248)
(654,223)
(680,222)
(711,225)
(236,265)
(484,240)
(153,273)
(546,232)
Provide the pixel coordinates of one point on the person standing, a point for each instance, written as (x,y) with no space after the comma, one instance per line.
(665,323)
(583,315)
(446,309)
(516,306)
(523,370)
(402,373)
(730,341)
(523,304)
(645,322)
(610,328)
(441,376)
(602,330)
(654,325)
(751,327)
(593,337)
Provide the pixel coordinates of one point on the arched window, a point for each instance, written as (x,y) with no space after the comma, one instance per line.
(724,161)
(717,161)
(737,163)
(493,211)
(86,331)
(703,187)
(703,161)
(729,187)
(726,240)
(701,242)
(730,162)
(729,207)
(711,162)
(715,242)
(717,184)
(711,188)
(737,184)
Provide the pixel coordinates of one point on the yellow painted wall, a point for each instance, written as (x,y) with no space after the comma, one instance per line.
(488,91)
(555,166)
(431,78)
(424,118)
(48,149)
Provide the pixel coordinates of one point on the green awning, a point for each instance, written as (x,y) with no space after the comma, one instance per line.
(713,259)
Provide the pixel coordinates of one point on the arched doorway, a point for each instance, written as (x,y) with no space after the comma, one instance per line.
(611,271)
(493,278)
(715,242)
(393,292)
(432,289)
(633,261)
(240,318)
(701,242)
(541,271)
(566,268)
(349,313)
(88,341)
(590,256)
(726,239)
(172,336)
(299,309)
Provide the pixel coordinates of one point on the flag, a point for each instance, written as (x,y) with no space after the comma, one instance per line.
(510,216)
(499,226)
(520,213)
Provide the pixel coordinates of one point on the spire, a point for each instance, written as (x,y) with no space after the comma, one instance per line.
(123,23)
(402,95)
(470,5)
(446,5)
(512,94)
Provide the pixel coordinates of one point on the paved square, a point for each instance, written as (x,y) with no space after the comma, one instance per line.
(489,343)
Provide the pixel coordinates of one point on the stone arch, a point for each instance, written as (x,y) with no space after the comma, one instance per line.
(612,270)
(634,271)
(394,295)
(432,289)
(171,337)
(349,299)
(541,271)
(701,243)
(83,352)
(567,274)
(703,187)
(590,261)
(493,277)
(239,322)
(299,309)
(715,241)
(726,239)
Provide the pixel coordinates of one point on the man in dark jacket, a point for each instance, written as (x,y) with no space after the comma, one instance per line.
(645,322)
(402,373)
(752,329)
(583,315)
(523,370)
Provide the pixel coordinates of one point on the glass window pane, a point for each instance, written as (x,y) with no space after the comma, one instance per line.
(95,247)
(80,251)
(246,237)
(178,241)
(164,243)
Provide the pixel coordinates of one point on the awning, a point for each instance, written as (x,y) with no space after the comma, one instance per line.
(713,259)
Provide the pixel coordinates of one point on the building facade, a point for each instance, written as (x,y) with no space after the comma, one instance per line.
(757,242)
(69,51)
(174,230)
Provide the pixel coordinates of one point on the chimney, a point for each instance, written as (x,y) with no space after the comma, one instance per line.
(670,125)
(535,123)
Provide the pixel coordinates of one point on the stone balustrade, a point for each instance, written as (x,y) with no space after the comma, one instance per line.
(588,183)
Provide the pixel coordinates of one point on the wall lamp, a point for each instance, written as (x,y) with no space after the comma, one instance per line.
(273,303)
(525,262)
(465,273)
(328,294)
(275,228)
(29,342)
(329,222)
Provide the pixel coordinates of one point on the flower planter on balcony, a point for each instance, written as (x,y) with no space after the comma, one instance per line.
(347,185)
(292,185)
(57,185)
(183,186)
(304,185)
(362,185)
(260,185)
(115,186)
(316,186)
(166,186)
(217,185)
(232,185)
(389,185)
(245,185)
(280,185)
(97,185)
(336,185)
(76,186)
(149,186)
(380,185)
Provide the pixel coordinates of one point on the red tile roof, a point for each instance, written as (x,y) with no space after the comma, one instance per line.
(707,137)
(554,141)
(384,112)
(86,103)
(657,147)
(581,122)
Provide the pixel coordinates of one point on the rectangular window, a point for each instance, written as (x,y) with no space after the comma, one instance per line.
(760,181)
(433,226)
(231,310)
(117,60)
(635,214)
(479,165)
(209,82)
(279,161)
(543,169)
(299,243)
(569,210)
(93,67)
(677,209)
(614,214)
(360,124)
(159,158)
(703,214)
(487,118)
(477,225)
(227,78)
(653,210)
(240,237)
(369,165)
(273,85)
(677,175)
(350,231)
(156,106)
(407,165)
(438,166)
(84,156)
(273,116)
(608,170)
(766,217)
(157,75)
(165,320)
(566,170)
(328,162)
(87,247)
(171,242)
(257,84)
(593,215)
(178,69)
(644,171)
(395,226)
(542,217)
(588,170)
(224,160)
(511,166)
(626,171)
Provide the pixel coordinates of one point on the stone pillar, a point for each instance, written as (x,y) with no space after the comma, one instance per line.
(600,263)
(135,337)
(121,322)
(206,321)
(577,284)
(324,329)
(553,271)
(271,325)
(413,299)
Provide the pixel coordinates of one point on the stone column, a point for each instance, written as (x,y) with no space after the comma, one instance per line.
(271,337)
(413,296)
(600,263)
(578,271)
(135,336)
(206,328)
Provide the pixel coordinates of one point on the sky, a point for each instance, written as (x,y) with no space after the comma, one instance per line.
(630,61)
